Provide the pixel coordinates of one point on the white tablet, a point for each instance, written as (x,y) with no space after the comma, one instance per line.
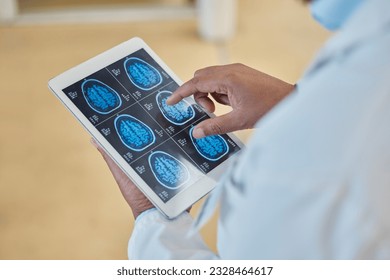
(119,97)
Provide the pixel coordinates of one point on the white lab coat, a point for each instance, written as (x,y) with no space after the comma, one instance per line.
(314,181)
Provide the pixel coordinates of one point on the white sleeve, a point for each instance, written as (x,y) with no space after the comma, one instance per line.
(155,237)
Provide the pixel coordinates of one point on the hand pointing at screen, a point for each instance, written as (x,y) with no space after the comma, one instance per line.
(249,92)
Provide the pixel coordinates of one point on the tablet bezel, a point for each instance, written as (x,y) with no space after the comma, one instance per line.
(184,199)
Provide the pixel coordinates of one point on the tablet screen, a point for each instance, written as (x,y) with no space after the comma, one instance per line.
(125,101)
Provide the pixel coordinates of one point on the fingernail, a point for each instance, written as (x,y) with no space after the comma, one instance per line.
(93,142)
(202,104)
(198,133)
(169,100)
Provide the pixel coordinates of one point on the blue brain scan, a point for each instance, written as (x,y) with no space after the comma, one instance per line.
(142,74)
(211,147)
(100,97)
(133,133)
(177,114)
(169,171)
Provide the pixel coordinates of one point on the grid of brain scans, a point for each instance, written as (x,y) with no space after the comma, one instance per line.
(126,102)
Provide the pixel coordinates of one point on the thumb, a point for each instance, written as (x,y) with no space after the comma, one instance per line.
(219,125)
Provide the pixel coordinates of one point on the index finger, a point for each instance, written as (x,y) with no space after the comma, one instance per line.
(187,89)
(208,80)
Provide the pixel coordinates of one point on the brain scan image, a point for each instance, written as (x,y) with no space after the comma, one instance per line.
(133,133)
(211,147)
(177,114)
(169,171)
(142,74)
(100,97)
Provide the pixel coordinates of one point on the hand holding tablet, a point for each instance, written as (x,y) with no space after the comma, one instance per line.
(137,201)
(120,97)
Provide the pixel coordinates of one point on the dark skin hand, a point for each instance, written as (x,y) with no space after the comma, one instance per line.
(249,92)
(133,196)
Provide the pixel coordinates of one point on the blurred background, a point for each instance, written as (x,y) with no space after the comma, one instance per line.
(58,199)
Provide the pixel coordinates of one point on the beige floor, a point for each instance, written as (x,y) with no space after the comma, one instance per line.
(57,198)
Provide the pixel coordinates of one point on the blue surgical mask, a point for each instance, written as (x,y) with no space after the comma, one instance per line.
(332,14)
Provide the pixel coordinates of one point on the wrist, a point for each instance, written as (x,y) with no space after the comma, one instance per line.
(140,206)
(144,213)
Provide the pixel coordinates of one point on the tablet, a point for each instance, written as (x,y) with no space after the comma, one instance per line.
(119,97)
